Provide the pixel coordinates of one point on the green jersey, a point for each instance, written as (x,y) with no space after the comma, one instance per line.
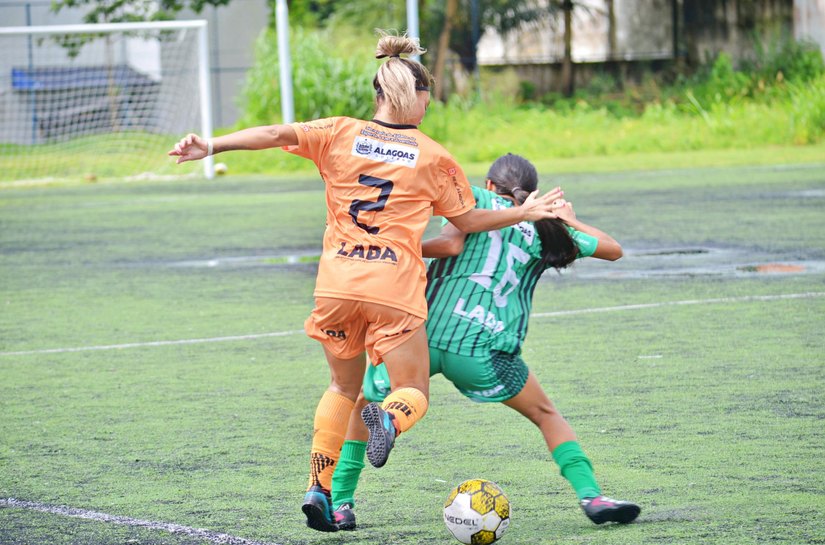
(480,300)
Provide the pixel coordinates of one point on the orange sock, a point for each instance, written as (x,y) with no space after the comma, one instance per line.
(407,405)
(331,420)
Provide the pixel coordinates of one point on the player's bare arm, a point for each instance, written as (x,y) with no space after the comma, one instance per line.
(449,243)
(534,208)
(608,248)
(192,147)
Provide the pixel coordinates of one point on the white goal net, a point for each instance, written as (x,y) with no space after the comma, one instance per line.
(101,101)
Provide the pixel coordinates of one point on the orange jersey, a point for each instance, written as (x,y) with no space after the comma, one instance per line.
(382,184)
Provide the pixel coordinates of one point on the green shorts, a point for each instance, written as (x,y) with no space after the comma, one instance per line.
(495,378)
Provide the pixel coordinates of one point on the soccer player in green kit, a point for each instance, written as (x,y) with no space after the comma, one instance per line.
(479,292)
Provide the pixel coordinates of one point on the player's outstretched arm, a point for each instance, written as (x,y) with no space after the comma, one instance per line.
(192,147)
(534,208)
(608,248)
(448,243)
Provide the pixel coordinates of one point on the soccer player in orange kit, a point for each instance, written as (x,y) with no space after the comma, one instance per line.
(384,178)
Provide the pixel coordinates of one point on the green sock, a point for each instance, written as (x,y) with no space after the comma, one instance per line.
(577,469)
(347,472)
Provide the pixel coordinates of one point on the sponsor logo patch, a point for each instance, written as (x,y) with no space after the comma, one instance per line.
(369,253)
(384,152)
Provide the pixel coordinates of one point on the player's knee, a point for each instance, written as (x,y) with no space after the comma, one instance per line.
(346,388)
(417,381)
(542,413)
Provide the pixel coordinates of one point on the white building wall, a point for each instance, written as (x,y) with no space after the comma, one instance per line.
(644,30)
(809,21)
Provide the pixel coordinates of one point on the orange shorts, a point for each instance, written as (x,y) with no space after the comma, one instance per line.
(347,328)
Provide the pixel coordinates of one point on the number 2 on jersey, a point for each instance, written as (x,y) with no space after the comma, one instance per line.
(485,277)
(359,205)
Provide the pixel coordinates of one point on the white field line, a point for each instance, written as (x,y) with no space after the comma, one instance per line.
(214,537)
(154,343)
(741,299)
(661,304)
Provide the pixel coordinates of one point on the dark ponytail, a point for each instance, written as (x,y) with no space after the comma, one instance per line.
(513,176)
(516,177)
(558,249)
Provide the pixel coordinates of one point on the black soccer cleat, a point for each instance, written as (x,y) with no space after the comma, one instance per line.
(345,517)
(318,510)
(382,433)
(602,509)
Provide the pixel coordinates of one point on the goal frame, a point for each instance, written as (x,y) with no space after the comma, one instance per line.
(204,83)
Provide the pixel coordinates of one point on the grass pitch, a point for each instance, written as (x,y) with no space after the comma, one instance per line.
(155,389)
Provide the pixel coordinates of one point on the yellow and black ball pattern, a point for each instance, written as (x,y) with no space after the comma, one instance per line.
(477,512)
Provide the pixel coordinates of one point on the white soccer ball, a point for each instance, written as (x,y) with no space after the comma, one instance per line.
(477,512)
(220,169)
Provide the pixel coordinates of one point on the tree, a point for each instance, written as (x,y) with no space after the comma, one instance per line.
(501,15)
(130,11)
(123,11)
(443,46)
(505,16)
(567,83)
(566,8)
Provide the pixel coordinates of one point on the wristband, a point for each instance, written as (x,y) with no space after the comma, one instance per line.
(209,147)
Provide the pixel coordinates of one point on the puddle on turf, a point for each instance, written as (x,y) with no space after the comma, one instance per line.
(692,262)
(250,261)
(808,193)
(647,263)
(773,268)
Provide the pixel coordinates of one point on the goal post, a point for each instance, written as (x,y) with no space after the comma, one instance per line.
(100,101)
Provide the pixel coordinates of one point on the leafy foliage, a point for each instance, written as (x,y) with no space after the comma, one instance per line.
(763,78)
(331,75)
(122,11)
(129,11)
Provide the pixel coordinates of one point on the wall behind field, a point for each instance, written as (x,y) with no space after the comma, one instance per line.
(733,26)
(809,21)
(649,34)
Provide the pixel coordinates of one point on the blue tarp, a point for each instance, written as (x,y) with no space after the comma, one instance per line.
(82,77)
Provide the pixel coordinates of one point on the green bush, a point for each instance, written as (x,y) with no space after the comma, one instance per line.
(330,76)
(765,78)
(724,83)
(807,111)
(796,61)
(769,77)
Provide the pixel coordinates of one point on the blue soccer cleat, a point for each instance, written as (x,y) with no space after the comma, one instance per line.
(382,433)
(318,510)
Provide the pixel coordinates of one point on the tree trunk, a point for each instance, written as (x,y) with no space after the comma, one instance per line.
(612,41)
(443,47)
(614,63)
(678,29)
(567,63)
